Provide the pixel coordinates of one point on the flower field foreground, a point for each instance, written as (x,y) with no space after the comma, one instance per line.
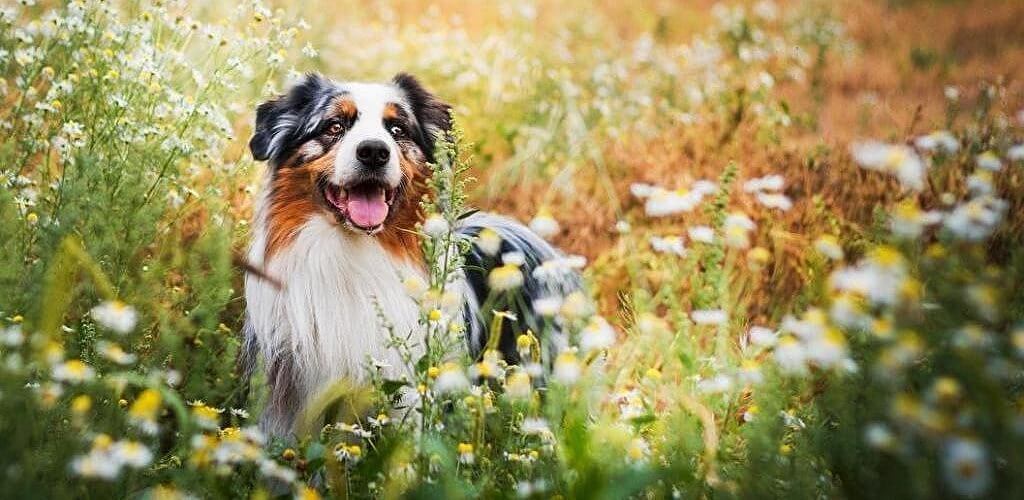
(766,315)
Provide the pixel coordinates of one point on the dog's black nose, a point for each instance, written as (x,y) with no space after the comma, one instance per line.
(373,153)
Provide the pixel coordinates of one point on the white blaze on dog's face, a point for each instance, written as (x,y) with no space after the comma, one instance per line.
(355,152)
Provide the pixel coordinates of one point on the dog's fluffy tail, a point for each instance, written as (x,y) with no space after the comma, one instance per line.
(517,243)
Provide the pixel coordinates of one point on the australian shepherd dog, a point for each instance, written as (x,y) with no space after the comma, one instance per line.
(334,237)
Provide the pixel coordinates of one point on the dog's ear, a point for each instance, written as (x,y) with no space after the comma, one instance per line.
(282,120)
(433,115)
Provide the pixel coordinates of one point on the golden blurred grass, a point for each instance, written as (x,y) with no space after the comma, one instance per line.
(890,87)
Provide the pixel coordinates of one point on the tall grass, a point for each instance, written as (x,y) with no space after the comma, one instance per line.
(845,322)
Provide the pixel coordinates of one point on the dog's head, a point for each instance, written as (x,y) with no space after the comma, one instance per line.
(353,151)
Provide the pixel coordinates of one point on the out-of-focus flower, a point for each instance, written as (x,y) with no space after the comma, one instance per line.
(878,436)
(518,385)
(489,242)
(828,245)
(895,159)
(790,356)
(976,219)
(703,234)
(144,411)
(709,316)
(989,161)
(505,277)
(715,385)
(435,226)
(74,371)
(547,306)
(775,200)
(638,450)
(941,140)
(544,224)
(597,335)
(567,368)
(1015,153)
(415,286)
(980,182)
(966,466)
(466,455)
(205,416)
(451,378)
(761,336)
(668,244)
(736,228)
(115,315)
(115,353)
(773,182)
(909,221)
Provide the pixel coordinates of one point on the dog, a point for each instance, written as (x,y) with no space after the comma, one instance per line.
(334,237)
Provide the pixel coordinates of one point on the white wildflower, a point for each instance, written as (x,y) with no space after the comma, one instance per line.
(115,315)
(895,159)
(709,316)
(435,226)
(703,234)
(989,161)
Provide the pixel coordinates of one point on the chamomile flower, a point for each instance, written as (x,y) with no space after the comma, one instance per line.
(777,201)
(989,161)
(518,385)
(451,378)
(736,228)
(761,336)
(668,244)
(547,306)
(896,159)
(115,315)
(878,436)
(966,466)
(489,242)
(828,245)
(115,353)
(144,411)
(709,316)
(567,368)
(1015,153)
(909,221)
(74,371)
(505,277)
(132,454)
(465,453)
(703,234)
(435,226)
(790,356)
(976,219)
(938,141)
(544,225)
(772,182)
(597,335)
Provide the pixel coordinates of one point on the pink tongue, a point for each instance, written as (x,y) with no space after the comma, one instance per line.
(367,209)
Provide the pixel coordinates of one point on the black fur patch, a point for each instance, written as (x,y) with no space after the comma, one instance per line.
(285,123)
(432,114)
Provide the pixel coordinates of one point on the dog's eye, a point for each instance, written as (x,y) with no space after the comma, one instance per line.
(397,131)
(334,129)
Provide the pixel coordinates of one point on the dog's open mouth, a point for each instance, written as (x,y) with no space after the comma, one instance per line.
(365,205)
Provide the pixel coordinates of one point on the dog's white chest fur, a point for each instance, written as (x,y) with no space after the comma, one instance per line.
(325,316)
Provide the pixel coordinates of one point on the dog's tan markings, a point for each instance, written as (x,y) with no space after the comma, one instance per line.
(399,235)
(293,200)
(391,111)
(346,108)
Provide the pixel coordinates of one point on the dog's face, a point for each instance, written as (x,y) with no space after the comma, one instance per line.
(352,151)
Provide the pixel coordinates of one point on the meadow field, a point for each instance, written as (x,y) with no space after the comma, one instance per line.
(800,225)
